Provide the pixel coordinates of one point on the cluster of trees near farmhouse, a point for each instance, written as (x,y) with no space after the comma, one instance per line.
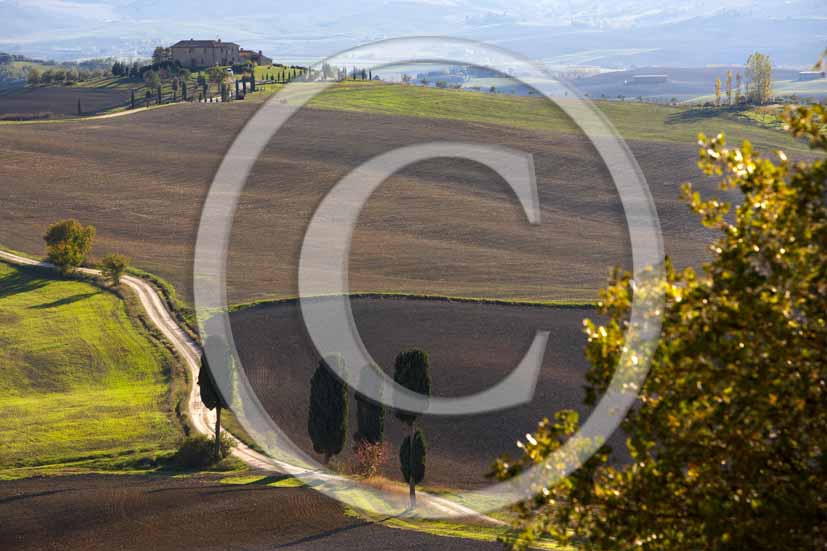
(62,76)
(66,73)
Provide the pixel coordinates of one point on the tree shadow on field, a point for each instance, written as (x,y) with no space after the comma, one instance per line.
(21,281)
(327,533)
(20,497)
(700,114)
(63,301)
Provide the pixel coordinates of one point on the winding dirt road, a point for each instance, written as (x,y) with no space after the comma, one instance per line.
(202,419)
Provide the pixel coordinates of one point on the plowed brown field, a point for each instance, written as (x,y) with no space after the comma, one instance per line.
(440,227)
(472,346)
(102,513)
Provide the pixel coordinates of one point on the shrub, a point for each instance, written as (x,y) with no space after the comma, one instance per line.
(368,458)
(197,451)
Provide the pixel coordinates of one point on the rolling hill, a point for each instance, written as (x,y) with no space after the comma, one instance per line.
(84,384)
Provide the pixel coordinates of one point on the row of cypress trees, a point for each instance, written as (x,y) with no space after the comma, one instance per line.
(328,414)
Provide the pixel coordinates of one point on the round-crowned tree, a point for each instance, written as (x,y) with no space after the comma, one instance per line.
(728,439)
(67,244)
(113,267)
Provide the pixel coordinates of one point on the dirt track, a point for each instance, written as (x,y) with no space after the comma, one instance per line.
(444,226)
(103,513)
(472,347)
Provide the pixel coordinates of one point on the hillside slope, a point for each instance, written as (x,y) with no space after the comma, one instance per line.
(83,384)
(440,227)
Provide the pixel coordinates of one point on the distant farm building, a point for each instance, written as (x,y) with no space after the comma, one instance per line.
(811,75)
(205,53)
(646,79)
(257,57)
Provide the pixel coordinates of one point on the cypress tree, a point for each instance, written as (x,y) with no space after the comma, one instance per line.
(413,457)
(411,370)
(370,415)
(212,400)
(327,418)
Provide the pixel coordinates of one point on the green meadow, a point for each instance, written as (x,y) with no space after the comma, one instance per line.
(82,383)
(634,121)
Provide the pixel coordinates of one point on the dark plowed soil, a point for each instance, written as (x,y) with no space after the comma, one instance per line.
(444,226)
(471,347)
(105,513)
(61,100)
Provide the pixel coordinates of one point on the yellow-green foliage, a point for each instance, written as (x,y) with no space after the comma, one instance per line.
(728,438)
(78,377)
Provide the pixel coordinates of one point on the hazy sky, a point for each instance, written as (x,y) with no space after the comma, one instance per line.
(545,29)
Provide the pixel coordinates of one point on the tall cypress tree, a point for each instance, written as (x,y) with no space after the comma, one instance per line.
(411,370)
(327,418)
(211,398)
(370,415)
(412,461)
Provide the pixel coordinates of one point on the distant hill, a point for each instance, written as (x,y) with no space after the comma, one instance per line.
(14,68)
(620,33)
(682,83)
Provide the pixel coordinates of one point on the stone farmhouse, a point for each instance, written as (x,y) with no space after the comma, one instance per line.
(257,57)
(205,53)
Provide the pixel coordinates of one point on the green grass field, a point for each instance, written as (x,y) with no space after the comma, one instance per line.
(268,72)
(636,121)
(82,382)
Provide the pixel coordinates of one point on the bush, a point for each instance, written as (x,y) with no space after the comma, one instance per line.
(197,451)
(368,458)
